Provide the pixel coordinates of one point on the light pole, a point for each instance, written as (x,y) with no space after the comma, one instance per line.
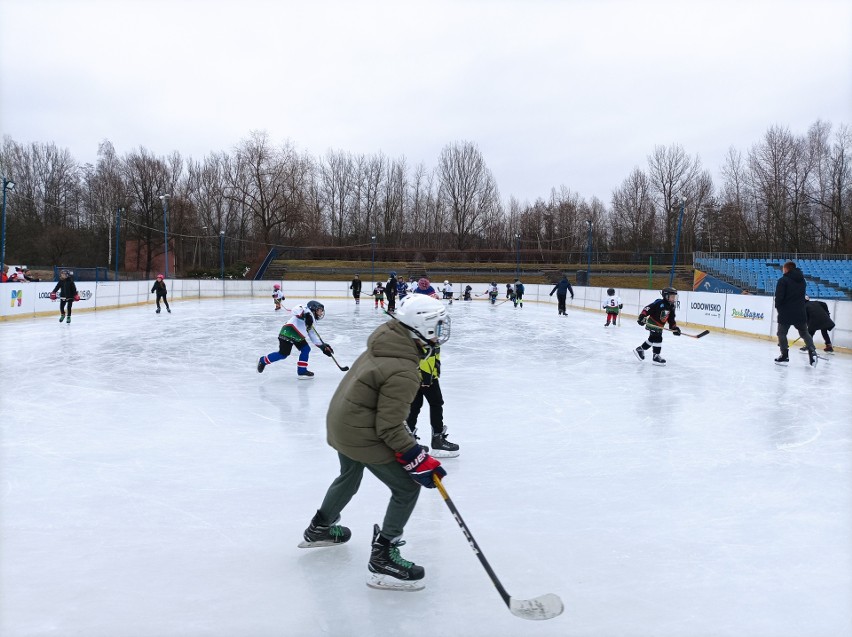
(373,266)
(8,186)
(517,256)
(118,212)
(222,253)
(677,240)
(589,248)
(165,200)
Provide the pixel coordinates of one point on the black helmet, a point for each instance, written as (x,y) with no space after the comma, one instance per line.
(667,292)
(610,292)
(317,309)
(493,283)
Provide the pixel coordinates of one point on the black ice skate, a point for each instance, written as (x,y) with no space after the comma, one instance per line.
(783,359)
(306,375)
(640,353)
(320,534)
(813,359)
(158,310)
(443,448)
(261,365)
(61,317)
(388,570)
(658,360)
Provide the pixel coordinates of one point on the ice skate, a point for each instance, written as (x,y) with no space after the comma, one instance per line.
(306,375)
(261,364)
(783,359)
(169,310)
(829,349)
(443,448)
(813,359)
(158,310)
(387,568)
(658,360)
(68,319)
(318,534)
(61,317)
(640,353)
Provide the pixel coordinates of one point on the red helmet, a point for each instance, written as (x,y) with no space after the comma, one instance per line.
(276,287)
(423,283)
(160,276)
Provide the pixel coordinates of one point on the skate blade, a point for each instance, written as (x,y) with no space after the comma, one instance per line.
(658,364)
(304,544)
(437,453)
(636,354)
(390,583)
(782,363)
(303,377)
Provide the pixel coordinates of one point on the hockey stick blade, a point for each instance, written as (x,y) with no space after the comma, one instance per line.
(545,606)
(342,368)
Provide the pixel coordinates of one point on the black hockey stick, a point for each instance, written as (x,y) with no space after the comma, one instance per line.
(545,606)
(342,368)
(699,335)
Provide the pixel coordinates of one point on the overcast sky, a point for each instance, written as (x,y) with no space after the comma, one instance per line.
(559,92)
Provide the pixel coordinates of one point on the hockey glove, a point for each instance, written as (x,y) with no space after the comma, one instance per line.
(642,319)
(676,330)
(53,296)
(325,348)
(76,297)
(421,466)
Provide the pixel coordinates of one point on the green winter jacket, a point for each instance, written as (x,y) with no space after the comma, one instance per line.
(366,414)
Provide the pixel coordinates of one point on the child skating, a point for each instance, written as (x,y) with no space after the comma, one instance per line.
(612,306)
(277,296)
(295,333)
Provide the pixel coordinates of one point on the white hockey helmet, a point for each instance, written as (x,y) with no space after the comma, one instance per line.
(426,317)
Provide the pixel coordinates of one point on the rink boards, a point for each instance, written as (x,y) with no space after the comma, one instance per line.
(736,312)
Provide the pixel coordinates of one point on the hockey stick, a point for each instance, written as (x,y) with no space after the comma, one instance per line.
(704,333)
(545,606)
(342,368)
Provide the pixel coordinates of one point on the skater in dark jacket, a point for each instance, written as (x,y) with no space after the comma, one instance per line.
(654,318)
(67,294)
(355,286)
(562,289)
(160,288)
(819,318)
(790,303)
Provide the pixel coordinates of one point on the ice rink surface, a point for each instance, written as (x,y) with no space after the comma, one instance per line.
(154,484)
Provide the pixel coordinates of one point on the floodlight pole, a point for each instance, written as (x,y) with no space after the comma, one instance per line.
(222,253)
(677,240)
(165,200)
(118,212)
(8,186)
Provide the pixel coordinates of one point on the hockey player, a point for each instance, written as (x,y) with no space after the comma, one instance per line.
(430,389)
(492,292)
(365,426)
(467,290)
(613,306)
(518,298)
(654,317)
(401,289)
(447,291)
(379,295)
(355,286)
(67,294)
(510,291)
(295,333)
(562,289)
(390,291)
(819,318)
(160,288)
(425,287)
(277,296)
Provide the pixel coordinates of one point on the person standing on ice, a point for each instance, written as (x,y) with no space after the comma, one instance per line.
(277,296)
(365,425)
(654,318)
(295,333)
(518,296)
(430,390)
(425,287)
(613,306)
(790,303)
(492,292)
(390,292)
(160,288)
(67,294)
(355,286)
(447,291)
(379,295)
(562,290)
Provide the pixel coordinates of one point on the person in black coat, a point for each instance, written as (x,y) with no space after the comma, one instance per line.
(562,289)
(390,291)
(790,303)
(355,286)
(161,290)
(67,294)
(819,318)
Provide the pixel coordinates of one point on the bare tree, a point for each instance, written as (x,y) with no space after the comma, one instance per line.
(670,171)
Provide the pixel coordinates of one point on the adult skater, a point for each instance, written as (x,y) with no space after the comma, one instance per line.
(790,303)
(492,292)
(562,289)
(365,426)
(277,296)
(654,317)
(355,286)
(160,288)
(67,294)
(612,305)
(819,318)
(425,287)
(518,297)
(391,291)
(295,333)
(430,389)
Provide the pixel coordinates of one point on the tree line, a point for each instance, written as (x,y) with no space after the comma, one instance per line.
(787,193)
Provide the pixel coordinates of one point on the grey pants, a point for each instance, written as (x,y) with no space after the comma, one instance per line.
(802,329)
(404,493)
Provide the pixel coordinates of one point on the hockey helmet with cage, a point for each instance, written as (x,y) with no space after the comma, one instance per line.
(426,317)
(277,286)
(393,274)
(610,292)
(494,283)
(317,309)
(446,282)
(669,292)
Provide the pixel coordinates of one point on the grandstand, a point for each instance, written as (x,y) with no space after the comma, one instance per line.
(826,278)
